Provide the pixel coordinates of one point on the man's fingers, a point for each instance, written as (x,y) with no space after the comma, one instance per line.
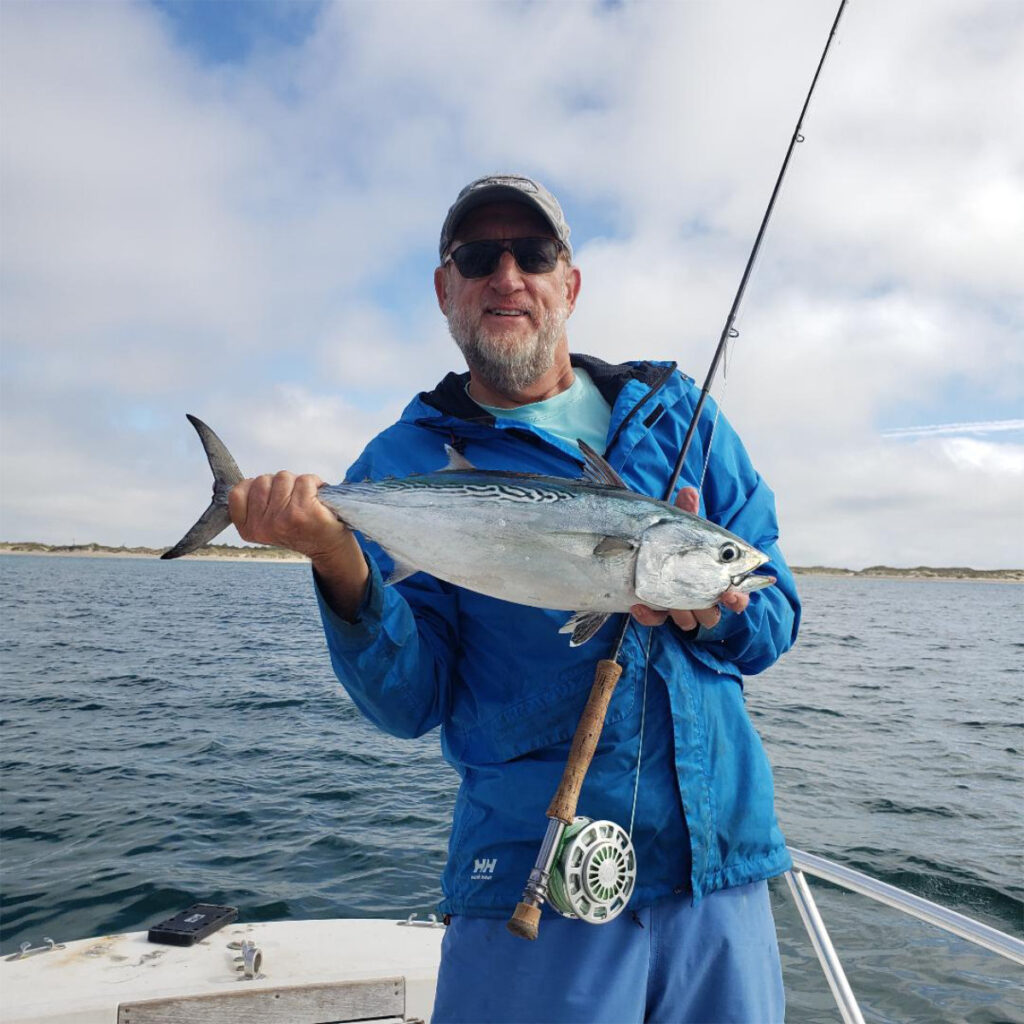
(688,500)
(256,511)
(306,488)
(247,503)
(238,503)
(684,619)
(283,510)
(306,512)
(708,617)
(647,616)
(689,619)
(281,486)
(736,600)
(306,505)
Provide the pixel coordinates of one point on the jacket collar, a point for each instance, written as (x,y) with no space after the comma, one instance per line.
(450,398)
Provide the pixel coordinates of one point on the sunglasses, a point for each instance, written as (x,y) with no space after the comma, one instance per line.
(481,259)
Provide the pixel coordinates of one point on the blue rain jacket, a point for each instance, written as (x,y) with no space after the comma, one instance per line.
(678,758)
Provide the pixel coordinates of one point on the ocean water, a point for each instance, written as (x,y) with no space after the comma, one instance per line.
(173,732)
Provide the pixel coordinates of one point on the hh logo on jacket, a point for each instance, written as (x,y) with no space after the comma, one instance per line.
(483,868)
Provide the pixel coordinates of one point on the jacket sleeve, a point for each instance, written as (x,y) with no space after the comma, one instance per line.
(735,496)
(395,661)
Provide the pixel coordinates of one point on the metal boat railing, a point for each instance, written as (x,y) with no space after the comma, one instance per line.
(807,863)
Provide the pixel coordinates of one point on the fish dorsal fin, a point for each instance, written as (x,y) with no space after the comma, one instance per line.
(456,461)
(596,470)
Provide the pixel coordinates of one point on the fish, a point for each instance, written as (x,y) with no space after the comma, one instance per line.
(589,546)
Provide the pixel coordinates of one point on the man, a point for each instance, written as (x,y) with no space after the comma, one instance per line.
(679,764)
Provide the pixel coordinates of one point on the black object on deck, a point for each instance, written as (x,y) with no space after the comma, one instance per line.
(192,925)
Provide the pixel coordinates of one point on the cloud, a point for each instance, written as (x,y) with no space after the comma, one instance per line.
(900,504)
(995,460)
(117,201)
(252,241)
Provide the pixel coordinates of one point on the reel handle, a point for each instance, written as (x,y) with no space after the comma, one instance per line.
(584,742)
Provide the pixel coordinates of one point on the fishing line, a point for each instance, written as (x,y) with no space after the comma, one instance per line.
(640,744)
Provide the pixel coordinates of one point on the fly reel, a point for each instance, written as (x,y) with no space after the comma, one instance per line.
(594,871)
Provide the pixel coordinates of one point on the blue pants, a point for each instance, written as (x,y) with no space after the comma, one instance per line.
(716,962)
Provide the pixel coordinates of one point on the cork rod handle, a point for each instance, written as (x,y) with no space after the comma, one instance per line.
(525,922)
(584,742)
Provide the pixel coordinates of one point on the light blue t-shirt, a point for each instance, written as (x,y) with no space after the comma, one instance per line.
(578,412)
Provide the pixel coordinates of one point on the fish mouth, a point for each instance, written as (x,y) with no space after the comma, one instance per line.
(747,582)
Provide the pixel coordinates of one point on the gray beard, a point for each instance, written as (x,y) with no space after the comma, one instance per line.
(506,363)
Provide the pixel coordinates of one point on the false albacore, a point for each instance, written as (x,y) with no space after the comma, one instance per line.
(590,546)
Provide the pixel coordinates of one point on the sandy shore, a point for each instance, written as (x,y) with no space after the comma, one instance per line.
(975,576)
(257,554)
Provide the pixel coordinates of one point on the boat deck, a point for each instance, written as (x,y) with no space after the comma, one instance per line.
(307,971)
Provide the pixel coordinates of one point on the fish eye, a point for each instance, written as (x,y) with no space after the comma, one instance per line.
(728,552)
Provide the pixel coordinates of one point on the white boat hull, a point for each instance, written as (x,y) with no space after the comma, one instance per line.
(310,972)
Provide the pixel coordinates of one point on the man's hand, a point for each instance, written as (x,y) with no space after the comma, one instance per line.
(283,510)
(689,619)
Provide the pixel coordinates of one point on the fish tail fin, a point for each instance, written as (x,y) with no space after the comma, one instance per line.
(225,475)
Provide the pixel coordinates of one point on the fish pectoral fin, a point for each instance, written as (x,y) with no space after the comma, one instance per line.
(583,625)
(610,546)
(399,573)
(596,470)
(456,461)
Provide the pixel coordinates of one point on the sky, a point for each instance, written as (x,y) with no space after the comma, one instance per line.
(232,209)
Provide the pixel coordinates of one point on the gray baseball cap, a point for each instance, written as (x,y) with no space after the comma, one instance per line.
(506,188)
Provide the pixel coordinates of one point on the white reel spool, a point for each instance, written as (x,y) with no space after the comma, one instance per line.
(594,873)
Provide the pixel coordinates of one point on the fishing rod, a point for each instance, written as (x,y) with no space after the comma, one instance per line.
(588,870)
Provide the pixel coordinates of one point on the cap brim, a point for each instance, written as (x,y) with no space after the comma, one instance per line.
(492,194)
